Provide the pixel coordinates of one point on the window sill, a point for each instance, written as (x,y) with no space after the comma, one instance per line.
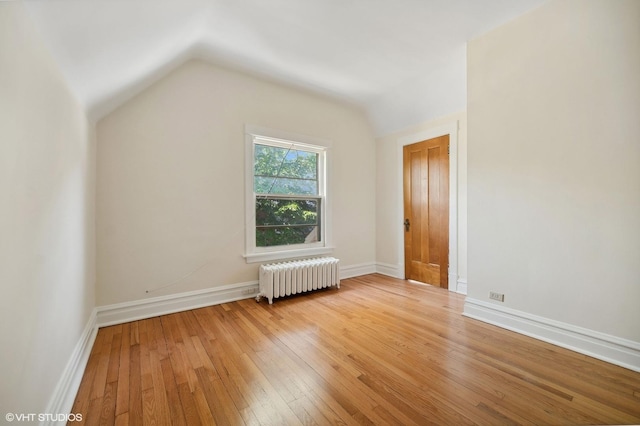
(286,254)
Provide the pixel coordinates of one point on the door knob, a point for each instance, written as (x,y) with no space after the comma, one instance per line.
(406,225)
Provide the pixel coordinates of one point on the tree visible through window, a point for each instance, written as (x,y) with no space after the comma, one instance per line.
(288,193)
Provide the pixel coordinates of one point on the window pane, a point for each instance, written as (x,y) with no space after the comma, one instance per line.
(272,164)
(300,164)
(278,212)
(285,235)
(284,186)
(267,160)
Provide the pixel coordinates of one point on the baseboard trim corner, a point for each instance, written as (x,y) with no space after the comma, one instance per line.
(461,286)
(65,392)
(357,270)
(612,349)
(389,270)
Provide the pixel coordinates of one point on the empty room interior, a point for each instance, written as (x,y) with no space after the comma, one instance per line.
(320,212)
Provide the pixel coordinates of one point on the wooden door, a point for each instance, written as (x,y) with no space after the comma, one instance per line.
(426,211)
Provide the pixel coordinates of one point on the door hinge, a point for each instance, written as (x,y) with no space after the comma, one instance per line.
(449,149)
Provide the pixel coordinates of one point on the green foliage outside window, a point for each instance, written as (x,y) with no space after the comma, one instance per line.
(278,173)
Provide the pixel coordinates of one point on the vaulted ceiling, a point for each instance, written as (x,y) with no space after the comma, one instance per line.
(402,61)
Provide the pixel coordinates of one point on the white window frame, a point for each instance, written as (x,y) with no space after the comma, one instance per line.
(256,135)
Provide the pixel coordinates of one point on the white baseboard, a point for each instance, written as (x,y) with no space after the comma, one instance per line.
(65,392)
(103,316)
(389,270)
(462,286)
(615,350)
(357,270)
(147,308)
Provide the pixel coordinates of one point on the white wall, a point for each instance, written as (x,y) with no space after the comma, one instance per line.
(46,219)
(170,185)
(554,164)
(389,216)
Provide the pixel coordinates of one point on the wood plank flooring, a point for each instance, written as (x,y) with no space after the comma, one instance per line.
(377,351)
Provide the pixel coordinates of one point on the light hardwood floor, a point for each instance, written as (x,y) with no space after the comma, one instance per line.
(376,351)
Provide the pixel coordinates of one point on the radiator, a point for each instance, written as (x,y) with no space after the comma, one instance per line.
(297,276)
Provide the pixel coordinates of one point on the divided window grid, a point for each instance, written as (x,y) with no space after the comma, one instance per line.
(288,186)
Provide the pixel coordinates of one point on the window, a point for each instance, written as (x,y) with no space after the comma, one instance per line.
(286,197)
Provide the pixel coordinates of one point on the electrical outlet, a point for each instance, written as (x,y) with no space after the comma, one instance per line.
(496,296)
(250,291)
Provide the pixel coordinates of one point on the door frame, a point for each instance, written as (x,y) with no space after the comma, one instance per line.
(450,129)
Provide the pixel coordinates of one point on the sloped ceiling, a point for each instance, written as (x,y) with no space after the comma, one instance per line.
(402,61)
